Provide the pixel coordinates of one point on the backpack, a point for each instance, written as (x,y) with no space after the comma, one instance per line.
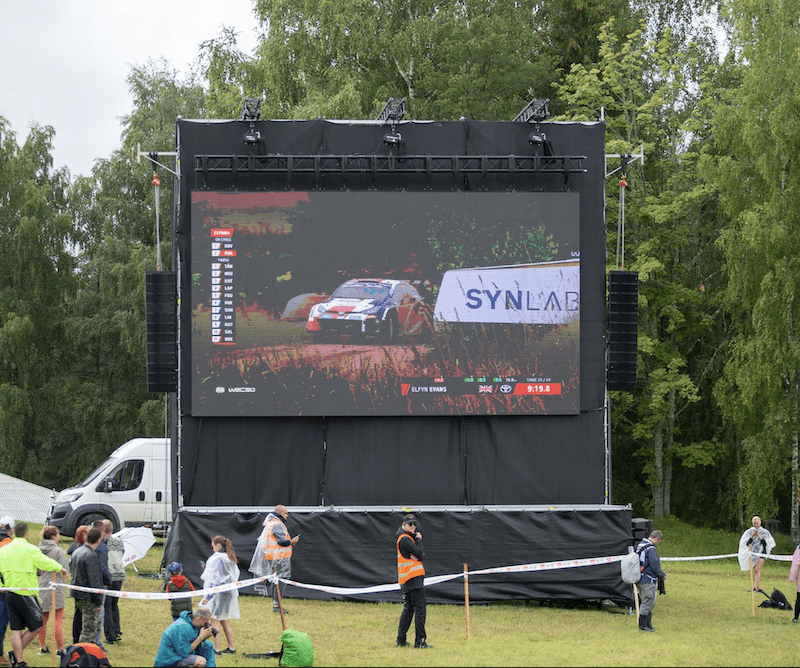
(84,654)
(629,568)
(777,600)
(297,650)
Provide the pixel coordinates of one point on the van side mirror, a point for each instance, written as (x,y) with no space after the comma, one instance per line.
(108,485)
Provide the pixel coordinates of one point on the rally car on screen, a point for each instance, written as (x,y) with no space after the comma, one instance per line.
(369,307)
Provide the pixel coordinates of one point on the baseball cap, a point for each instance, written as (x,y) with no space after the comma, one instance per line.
(410,519)
(6,522)
(175,567)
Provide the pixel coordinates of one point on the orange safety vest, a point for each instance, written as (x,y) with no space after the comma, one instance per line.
(407,568)
(273,551)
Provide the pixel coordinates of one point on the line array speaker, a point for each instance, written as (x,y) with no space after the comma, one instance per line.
(641,528)
(623,326)
(162,345)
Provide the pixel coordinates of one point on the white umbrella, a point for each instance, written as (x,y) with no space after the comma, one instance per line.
(137,541)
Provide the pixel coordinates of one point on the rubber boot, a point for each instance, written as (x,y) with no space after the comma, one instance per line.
(796,608)
(650,622)
(643,624)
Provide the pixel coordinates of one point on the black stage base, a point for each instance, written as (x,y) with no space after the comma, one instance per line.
(355,547)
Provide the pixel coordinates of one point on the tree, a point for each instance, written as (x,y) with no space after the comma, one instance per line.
(642,87)
(114,214)
(37,279)
(345,59)
(758,133)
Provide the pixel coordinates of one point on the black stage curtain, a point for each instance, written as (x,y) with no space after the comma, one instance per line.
(357,549)
(372,462)
(252,461)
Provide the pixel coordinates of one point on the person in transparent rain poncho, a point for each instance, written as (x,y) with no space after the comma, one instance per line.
(221,568)
(273,554)
(755,541)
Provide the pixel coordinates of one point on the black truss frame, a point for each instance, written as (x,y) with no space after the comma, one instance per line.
(344,165)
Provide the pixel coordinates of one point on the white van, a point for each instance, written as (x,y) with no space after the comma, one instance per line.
(133,487)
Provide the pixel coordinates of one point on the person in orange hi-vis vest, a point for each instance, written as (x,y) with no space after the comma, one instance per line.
(411,576)
(273,552)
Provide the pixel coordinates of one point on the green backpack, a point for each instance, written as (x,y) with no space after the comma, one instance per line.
(297,650)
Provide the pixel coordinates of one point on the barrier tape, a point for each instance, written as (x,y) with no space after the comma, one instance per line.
(354,591)
(156,596)
(760,555)
(548,566)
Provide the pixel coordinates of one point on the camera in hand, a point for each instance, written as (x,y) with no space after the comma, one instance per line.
(213,630)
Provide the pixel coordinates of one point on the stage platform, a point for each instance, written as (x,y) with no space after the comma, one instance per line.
(354,547)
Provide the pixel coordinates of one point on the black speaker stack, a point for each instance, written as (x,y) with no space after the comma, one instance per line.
(623,318)
(641,528)
(162,344)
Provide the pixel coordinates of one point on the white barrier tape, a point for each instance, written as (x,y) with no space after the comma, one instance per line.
(703,558)
(760,555)
(354,591)
(159,596)
(549,566)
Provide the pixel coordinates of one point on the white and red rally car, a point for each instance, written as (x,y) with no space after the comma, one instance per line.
(364,307)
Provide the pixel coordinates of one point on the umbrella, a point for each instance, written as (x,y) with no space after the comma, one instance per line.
(137,541)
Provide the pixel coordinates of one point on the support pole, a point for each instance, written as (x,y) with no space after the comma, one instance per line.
(752,591)
(54,646)
(466,596)
(636,601)
(280,600)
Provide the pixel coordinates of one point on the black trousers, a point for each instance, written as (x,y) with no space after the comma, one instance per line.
(111,621)
(77,624)
(414,603)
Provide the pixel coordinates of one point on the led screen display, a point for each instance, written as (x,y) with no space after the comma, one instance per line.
(385,303)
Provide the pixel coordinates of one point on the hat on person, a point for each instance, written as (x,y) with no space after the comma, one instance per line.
(175,567)
(410,519)
(6,523)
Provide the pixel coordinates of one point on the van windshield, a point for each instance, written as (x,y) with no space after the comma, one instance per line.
(94,473)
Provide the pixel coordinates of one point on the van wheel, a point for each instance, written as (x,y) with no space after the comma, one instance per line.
(89,519)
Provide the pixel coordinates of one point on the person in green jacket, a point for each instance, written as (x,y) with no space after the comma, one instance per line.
(19,561)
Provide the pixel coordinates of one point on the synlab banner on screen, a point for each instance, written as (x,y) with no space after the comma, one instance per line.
(385,303)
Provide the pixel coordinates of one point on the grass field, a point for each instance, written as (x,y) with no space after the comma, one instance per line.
(705,619)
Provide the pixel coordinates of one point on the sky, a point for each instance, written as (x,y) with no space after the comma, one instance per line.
(65,63)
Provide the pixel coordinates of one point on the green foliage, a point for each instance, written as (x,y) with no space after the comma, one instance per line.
(475,58)
(471,243)
(759,136)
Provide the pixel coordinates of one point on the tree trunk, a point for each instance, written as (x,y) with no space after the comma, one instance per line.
(667,454)
(658,455)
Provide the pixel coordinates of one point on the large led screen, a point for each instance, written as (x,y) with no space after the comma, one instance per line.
(385,303)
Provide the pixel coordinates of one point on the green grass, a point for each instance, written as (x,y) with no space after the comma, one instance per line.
(705,619)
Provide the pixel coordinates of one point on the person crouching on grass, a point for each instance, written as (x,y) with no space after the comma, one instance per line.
(185,642)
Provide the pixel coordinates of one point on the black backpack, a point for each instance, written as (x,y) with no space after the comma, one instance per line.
(777,600)
(84,654)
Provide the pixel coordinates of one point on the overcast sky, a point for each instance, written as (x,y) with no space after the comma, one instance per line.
(65,62)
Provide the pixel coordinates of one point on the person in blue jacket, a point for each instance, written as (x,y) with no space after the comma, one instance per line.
(650,563)
(185,641)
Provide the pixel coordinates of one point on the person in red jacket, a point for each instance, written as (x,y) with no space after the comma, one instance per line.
(411,576)
(177,583)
